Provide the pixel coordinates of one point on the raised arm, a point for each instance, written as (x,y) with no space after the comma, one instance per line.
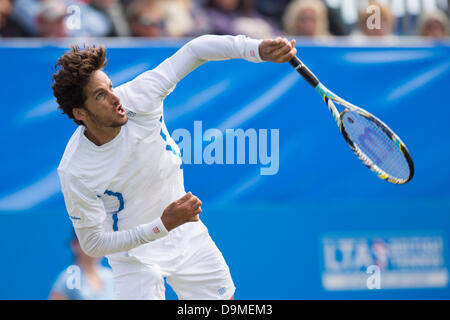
(145,93)
(215,48)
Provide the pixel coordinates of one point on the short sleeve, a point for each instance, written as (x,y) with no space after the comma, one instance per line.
(85,209)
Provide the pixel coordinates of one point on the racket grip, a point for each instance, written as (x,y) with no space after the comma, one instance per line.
(304,71)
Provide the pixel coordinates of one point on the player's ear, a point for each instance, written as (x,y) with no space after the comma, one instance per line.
(79,114)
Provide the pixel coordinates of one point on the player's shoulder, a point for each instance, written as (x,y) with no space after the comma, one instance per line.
(71,148)
(81,157)
(92,166)
(145,93)
(138,83)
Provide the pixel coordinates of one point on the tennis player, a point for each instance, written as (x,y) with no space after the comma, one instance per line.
(121,172)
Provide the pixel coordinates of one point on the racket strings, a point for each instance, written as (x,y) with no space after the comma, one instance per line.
(378,150)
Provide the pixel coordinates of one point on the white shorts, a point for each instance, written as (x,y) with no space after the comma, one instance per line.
(189,260)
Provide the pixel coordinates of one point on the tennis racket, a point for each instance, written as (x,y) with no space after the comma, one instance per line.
(372,141)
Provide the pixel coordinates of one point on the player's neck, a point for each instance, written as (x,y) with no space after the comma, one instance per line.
(100,137)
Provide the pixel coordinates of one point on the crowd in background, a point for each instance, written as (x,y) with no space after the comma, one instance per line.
(188,18)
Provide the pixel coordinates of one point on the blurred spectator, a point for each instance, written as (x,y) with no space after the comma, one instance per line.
(336,24)
(85,279)
(50,19)
(8,25)
(306,18)
(376,19)
(92,23)
(25,13)
(275,10)
(434,25)
(115,13)
(178,18)
(198,13)
(237,17)
(272,9)
(146,18)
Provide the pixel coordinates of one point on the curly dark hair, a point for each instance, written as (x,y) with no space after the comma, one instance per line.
(73,71)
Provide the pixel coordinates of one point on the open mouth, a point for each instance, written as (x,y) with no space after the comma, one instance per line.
(120,110)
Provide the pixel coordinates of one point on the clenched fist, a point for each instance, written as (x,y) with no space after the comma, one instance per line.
(185,209)
(277,50)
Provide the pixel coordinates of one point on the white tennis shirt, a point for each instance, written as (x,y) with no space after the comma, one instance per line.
(116,193)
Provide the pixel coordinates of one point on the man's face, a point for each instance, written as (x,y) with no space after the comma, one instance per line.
(435,29)
(148,23)
(102,107)
(307,22)
(5,10)
(52,28)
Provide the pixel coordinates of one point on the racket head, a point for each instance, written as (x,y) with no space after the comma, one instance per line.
(376,145)
(372,141)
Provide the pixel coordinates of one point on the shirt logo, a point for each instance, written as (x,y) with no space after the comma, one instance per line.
(156,230)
